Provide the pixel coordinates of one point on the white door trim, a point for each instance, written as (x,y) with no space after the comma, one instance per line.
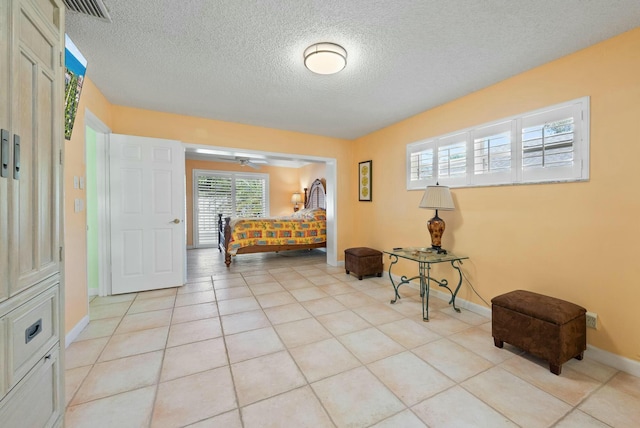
(104,221)
(332,208)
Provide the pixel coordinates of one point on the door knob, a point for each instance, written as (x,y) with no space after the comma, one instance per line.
(176,221)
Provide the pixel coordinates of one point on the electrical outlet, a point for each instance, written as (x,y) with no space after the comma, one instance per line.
(592,320)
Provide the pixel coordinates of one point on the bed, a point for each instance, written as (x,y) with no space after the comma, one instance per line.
(304,229)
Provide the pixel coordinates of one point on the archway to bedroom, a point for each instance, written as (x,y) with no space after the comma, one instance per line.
(312,167)
(277,175)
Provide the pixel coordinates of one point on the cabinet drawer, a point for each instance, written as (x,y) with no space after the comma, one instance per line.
(3,357)
(35,401)
(32,330)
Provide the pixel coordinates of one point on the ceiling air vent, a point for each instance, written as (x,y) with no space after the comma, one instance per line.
(95,8)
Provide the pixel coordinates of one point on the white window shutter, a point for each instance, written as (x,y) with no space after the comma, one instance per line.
(227,193)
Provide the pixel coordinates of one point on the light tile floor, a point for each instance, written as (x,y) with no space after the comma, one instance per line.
(285,340)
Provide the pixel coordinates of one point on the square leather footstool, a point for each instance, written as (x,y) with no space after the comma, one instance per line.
(363,261)
(544,326)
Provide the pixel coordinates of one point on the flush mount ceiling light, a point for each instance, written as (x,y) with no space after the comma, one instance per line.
(325,58)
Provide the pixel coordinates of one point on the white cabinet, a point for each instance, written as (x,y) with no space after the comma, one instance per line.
(35,143)
(32,329)
(5,105)
(36,400)
(31,119)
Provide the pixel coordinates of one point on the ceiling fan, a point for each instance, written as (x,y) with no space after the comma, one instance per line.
(253,163)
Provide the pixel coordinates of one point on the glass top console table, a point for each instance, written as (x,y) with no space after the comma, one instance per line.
(425,257)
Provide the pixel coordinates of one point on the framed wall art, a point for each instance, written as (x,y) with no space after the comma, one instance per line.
(364,174)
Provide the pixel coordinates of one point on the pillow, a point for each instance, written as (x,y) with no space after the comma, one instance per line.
(303,214)
(310,214)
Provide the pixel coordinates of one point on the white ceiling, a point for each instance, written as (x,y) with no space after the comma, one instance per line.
(241,60)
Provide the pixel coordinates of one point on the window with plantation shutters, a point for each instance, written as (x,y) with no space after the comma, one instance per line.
(551,144)
(492,154)
(421,165)
(250,200)
(493,158)
(546,145)
(452,158)
(212,196)
(227,193)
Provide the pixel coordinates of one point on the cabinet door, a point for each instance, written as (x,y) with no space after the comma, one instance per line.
(5,104)
(37,400)
(36,141)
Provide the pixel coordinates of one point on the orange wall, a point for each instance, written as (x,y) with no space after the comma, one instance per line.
(576,241)
(194,130)
(282,183)
(124,120)
(75,223)
(309,173)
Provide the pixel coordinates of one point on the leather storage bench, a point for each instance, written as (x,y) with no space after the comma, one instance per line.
(363,261)
(549,328)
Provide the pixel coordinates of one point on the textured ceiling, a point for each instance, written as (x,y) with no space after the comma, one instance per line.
(241,60)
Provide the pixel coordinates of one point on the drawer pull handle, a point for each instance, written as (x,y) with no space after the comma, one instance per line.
(32,331)
(4,153)
(16,156)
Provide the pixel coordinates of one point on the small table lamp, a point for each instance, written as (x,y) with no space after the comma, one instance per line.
(295,200)
(436,198)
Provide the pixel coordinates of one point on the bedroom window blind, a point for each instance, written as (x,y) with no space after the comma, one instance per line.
(227,193)
(542,146)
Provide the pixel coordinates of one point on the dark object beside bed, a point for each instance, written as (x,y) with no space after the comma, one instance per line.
(363,261)
(314,197)
(549,328)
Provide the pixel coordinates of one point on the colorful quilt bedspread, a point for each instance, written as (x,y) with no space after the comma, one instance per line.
(304,227)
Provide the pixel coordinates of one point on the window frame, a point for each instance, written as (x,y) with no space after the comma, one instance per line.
(513,126)
(233,175)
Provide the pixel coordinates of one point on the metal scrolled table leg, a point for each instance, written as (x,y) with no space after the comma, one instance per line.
(455,293)
(395,289)
(424,289)
(403,279)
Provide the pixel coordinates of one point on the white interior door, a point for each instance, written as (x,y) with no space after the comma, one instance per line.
(148,248)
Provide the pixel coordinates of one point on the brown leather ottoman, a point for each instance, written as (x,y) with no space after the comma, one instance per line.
(549,328)
(363,261)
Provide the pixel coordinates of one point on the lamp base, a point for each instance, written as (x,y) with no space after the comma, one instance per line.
(436,228)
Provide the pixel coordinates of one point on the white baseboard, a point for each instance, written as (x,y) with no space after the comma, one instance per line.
(605,357)
(93,292)
(190,247)
(443,295)
(461,303)
(75,331)
(612,360)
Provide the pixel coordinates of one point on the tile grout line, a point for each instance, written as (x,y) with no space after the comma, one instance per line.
(164,353)
(226,350)
(288,349)
(97,357)
(572,408)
